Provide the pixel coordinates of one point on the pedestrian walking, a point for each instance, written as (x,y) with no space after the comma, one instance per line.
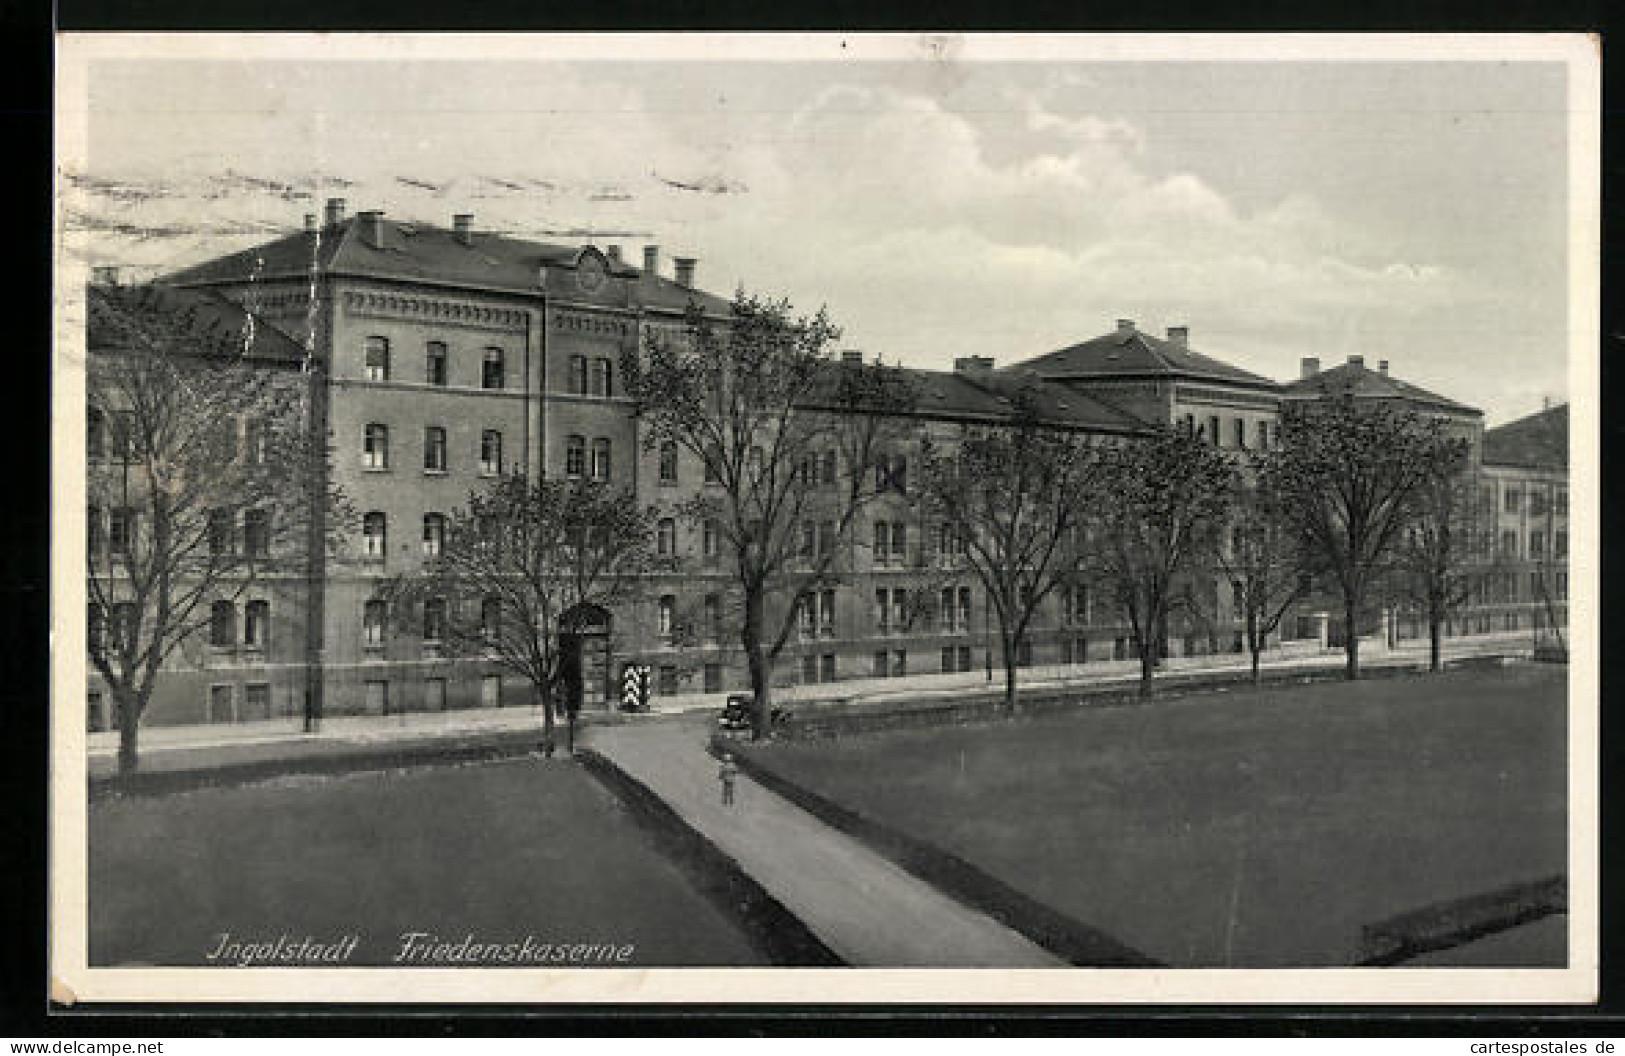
(727,773)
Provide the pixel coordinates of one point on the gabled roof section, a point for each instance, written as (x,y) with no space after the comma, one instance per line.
(189,322)
(1354,379)
(1538,441)
(414,252)
(1127,352)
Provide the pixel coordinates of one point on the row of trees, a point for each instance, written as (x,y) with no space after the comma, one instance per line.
(1353,495)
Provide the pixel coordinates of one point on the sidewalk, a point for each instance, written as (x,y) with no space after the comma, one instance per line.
(169,748)
(863,907)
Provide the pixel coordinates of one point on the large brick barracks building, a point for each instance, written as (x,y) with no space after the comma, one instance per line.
(443,356)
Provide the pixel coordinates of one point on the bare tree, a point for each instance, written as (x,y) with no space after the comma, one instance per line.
(791,443)
(1155,519)
(207,482)
(518,568)
(1350,475)
(1259,556)
(1012,497)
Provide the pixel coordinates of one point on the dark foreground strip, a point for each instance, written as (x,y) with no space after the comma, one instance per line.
(776,932)
(1447,924)
(1075,943)
(225,775)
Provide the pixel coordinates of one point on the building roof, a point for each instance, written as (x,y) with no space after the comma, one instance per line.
(194,322)
(415,252)
(1355,379)
(1129,353)
(985,396)
(1538,441)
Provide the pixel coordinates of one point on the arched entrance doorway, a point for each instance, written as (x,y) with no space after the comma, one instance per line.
(584,652)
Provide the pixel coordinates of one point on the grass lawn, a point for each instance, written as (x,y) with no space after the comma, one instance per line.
(498,850)
(1252,827)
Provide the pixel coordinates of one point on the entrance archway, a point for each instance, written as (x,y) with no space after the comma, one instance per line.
(584,652)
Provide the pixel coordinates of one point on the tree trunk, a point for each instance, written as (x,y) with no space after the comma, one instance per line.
(756,658)
(1435,620)
(546,698)
(1255,645)
(1009,650)
(129,732)
(1351,637)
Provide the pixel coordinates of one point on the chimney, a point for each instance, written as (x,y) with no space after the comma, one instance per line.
(335,212)
(310,223)
(1309,367)
(685,271)
(651,261)
(1125,326)
(851,355)
(104,275)
(1382,367)
(463,225)
(615,255)
(1179,335)
(372,227)
(1356,360)
(973,365)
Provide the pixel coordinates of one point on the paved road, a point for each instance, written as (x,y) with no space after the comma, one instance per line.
(865,908)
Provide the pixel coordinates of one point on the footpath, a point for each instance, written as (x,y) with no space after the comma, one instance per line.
(859,904)
(367,739)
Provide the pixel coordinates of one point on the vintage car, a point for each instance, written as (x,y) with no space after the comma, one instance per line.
(736,713)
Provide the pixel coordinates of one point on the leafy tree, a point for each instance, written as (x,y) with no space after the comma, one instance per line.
(1259,556)
(1012,497)
(1447,553)
(208,482)
(521,565)
(1350,475)
(1155,520)
(791,444)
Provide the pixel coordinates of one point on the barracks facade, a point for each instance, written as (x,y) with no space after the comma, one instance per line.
(445,356)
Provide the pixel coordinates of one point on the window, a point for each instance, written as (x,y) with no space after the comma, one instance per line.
(122,435)
(377,700)
(1024,653)
(257,533)
(434,619)
(1263,435)
(256,701)
(666,615)
(93,706)
(891,472)
(434,694)
(120,529)
(95,435)
(826,538)
(1560,544)
(1510,500)
(1561,502)
(375,447)
(883,611)
(882,659)
(374,536)
(600,459)
(1537,545)
(713,616)
(490,453)
(826,613)
(1075,605)
(1509,543)
(964,608)
(575,455)
(121,629)
(222,528)
(1239,431)
(256,441)
(1562,586)
(1213,430)
(434,449)
(666,538)
(809,616)
(899,542)
(434,534)
(809,669)
(713,678)
(491,691)
(223,625)
(96,629)
(490,618)
(899,663)
(96,533)
(709,539)
(603,377)
(578,375)
(827,476)
(668,462)
(826,668)
(492,375)
(666,680)
(257,624)
(220,704)
(882,542)
(1187,425)
(948,654)
(1537,502)
(945,607)
(434,363)
(377,365)
(372,624)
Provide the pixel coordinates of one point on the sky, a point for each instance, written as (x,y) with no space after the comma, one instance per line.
(1408,211)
